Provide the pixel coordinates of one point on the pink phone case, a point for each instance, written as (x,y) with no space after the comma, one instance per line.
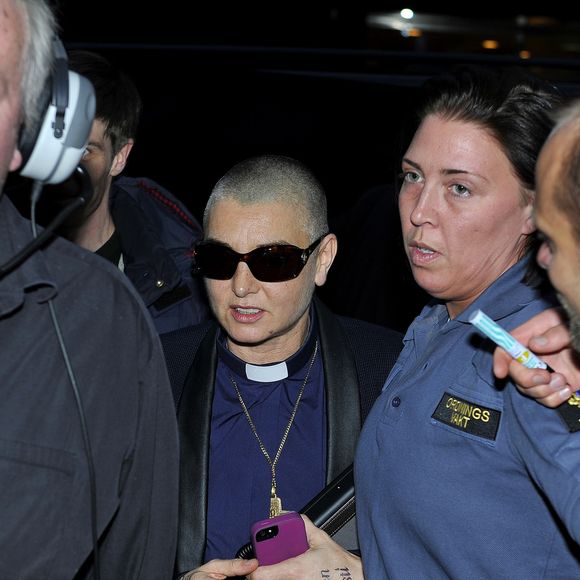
(279,538)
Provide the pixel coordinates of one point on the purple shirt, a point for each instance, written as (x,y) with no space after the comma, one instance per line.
(239,474)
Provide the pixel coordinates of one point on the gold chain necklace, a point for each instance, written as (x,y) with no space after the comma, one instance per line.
(275,501)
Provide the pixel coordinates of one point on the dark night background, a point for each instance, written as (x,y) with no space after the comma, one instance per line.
(321,83)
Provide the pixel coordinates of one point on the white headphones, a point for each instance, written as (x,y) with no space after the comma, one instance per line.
(56,148)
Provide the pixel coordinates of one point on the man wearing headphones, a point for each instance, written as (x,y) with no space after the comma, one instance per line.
(134,222)
(88,441)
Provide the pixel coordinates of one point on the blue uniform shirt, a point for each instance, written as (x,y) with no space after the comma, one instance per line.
(444,460)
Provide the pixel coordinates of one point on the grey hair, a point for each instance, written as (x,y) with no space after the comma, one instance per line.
(274,178)
(37,58)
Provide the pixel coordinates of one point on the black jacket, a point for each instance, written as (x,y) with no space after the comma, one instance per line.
(157,233)
(357,357)
(127,408)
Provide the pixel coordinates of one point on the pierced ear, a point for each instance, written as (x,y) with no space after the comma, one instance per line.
(120,160)
(325,258)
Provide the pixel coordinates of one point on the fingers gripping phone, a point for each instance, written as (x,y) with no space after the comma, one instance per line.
(279,538)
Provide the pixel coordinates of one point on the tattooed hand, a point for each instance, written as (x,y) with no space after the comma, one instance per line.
(336,574)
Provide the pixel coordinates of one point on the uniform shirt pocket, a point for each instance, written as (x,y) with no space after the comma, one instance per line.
(470,407)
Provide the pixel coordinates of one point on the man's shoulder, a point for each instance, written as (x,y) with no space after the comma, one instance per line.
(77,269)
(99,308)
(153,197)
(65,256)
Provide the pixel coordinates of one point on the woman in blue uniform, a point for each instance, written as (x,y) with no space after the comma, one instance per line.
(458,475)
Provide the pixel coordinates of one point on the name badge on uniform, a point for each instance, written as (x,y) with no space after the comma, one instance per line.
(466,416)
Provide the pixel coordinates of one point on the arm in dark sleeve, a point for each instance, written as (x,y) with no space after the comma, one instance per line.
(144,531)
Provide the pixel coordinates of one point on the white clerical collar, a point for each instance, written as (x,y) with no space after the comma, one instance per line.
(267,373)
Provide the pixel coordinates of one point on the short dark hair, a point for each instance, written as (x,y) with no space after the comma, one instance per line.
(274,179)
(118,103)
(513,105)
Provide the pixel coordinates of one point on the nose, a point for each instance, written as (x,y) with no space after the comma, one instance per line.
(544,256)
(423,208)
(243,281)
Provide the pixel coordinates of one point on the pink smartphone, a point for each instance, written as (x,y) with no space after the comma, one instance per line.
(279,538)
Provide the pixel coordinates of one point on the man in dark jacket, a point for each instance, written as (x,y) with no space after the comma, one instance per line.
(272,396)
(135,223)
(88,436)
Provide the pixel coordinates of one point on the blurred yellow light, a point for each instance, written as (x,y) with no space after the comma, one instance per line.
(525,54)
(414,32)
(490,44)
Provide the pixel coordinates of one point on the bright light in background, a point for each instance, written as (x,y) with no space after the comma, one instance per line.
(525,54)
(407,13)
(490,44)
(411,32)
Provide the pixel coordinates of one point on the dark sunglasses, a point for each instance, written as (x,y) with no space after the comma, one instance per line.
(275,263)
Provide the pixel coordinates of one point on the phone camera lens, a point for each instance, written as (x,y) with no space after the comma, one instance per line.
(267,533)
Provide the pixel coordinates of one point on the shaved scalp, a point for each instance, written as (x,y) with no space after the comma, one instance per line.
(274,179)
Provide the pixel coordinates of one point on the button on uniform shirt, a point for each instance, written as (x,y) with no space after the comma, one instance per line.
(449,477)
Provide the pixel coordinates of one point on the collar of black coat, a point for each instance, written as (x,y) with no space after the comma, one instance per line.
(272,372)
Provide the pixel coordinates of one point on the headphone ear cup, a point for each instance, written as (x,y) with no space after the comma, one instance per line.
(53,151)
(29,135)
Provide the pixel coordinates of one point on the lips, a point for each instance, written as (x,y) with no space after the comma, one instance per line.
(422,254)
(246,314)
(247,310)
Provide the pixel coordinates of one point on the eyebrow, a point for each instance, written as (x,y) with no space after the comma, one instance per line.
(449,171)
(95,144)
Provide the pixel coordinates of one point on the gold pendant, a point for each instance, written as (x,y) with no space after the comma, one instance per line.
(275,504)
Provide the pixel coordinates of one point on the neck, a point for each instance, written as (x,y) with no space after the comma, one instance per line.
(456,307)
(96,230)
